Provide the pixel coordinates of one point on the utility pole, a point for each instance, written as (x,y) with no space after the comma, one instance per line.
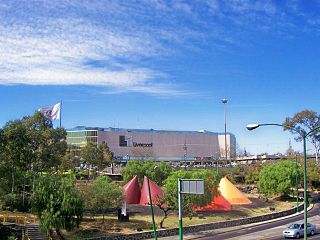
(185,148)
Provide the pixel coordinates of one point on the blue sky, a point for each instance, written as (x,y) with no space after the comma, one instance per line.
(163,64)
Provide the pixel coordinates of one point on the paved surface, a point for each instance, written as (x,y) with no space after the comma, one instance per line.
(270,230)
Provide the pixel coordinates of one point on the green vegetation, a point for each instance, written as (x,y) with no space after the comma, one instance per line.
(57,203)
(157,172)
(37,173)
(304,122)
(279,178)
(101,195)
(170,188)
(28,146)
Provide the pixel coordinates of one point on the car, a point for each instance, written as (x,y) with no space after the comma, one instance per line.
(296,230)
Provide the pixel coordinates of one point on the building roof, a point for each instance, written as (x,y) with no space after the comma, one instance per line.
(156,131)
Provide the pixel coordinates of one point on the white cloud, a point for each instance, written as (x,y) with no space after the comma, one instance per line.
(60,42)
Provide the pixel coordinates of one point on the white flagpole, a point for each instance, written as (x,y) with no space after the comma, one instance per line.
(60,111)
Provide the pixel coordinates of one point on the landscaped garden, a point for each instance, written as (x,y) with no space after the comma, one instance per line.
(41,180)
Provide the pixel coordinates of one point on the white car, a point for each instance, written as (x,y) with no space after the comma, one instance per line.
(296,230)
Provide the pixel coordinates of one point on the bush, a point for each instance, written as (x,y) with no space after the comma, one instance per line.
(14,202)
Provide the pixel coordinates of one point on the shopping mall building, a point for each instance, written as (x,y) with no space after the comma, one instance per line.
(160,145)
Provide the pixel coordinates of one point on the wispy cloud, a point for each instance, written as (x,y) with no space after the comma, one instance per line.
(52,42)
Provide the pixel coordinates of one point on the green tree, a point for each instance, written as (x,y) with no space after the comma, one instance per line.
(106,156)
(304,122)
(313,172)
(156,172)
(57,203)
(71,159)
(252,174)
(279,178)
(91,155)
(28,146)
(102,194)
(170,188)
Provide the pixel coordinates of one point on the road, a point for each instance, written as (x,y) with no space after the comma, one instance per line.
(268,231)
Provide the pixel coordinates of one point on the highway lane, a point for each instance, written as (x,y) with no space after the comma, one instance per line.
(268,231)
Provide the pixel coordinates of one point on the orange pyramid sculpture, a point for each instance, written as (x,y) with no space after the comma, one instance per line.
(132,191)
(218,203)
(155,190)
(232,193)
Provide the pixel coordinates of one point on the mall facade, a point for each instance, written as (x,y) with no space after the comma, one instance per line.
(159,145)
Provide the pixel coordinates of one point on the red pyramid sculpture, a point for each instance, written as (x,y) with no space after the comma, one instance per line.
(132,191)
(218,203)
(155,190)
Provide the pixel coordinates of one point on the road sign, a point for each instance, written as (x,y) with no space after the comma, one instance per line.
(187,186)
(192,186)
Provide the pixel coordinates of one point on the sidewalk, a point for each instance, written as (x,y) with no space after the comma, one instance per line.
(202,234)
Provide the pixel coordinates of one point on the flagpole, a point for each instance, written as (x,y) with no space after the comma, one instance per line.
(60,111)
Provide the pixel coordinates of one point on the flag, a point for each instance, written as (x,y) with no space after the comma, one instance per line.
(52,112)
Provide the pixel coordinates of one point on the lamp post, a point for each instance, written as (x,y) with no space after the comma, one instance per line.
(304,136)
(152,214)
(297,189)
(225,101)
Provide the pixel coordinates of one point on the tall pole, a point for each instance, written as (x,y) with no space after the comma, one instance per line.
(305,199)
(224,101)
(304,136)
(152,214)
(297,189)
(60,111)
(180,210)
(185,154)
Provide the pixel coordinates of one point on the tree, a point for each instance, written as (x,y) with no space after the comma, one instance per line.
(90,154)
(102,194)
(279,178)
(170,188)
(157,173)
(252,174)
(71,159)
(57,203)
(304,122)
(165,208)
(107,156)
(28,146)
(313,171)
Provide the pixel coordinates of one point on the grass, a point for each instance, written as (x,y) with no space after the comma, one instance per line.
(142,221)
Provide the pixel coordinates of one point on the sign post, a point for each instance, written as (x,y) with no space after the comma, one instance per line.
(187,186)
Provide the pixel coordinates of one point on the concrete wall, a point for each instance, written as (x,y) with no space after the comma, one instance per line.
(170,146)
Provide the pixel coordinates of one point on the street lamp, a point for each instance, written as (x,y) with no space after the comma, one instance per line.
(304,135)
(151,208)
(297,189)
(225,101)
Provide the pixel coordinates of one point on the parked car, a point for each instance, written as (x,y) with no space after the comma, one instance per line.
(296,230)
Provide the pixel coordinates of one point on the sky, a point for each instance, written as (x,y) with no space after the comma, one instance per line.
(163,64)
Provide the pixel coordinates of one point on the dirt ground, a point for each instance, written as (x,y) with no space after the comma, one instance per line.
(140,218)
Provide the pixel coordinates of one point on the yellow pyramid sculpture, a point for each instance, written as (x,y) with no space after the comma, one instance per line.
(232,193)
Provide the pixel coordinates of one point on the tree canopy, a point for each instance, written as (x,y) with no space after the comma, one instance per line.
(211,182)
(28,146)
(304,122)
(102,194)
(279,178)
(157,172)
(57,203)
(97,155)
